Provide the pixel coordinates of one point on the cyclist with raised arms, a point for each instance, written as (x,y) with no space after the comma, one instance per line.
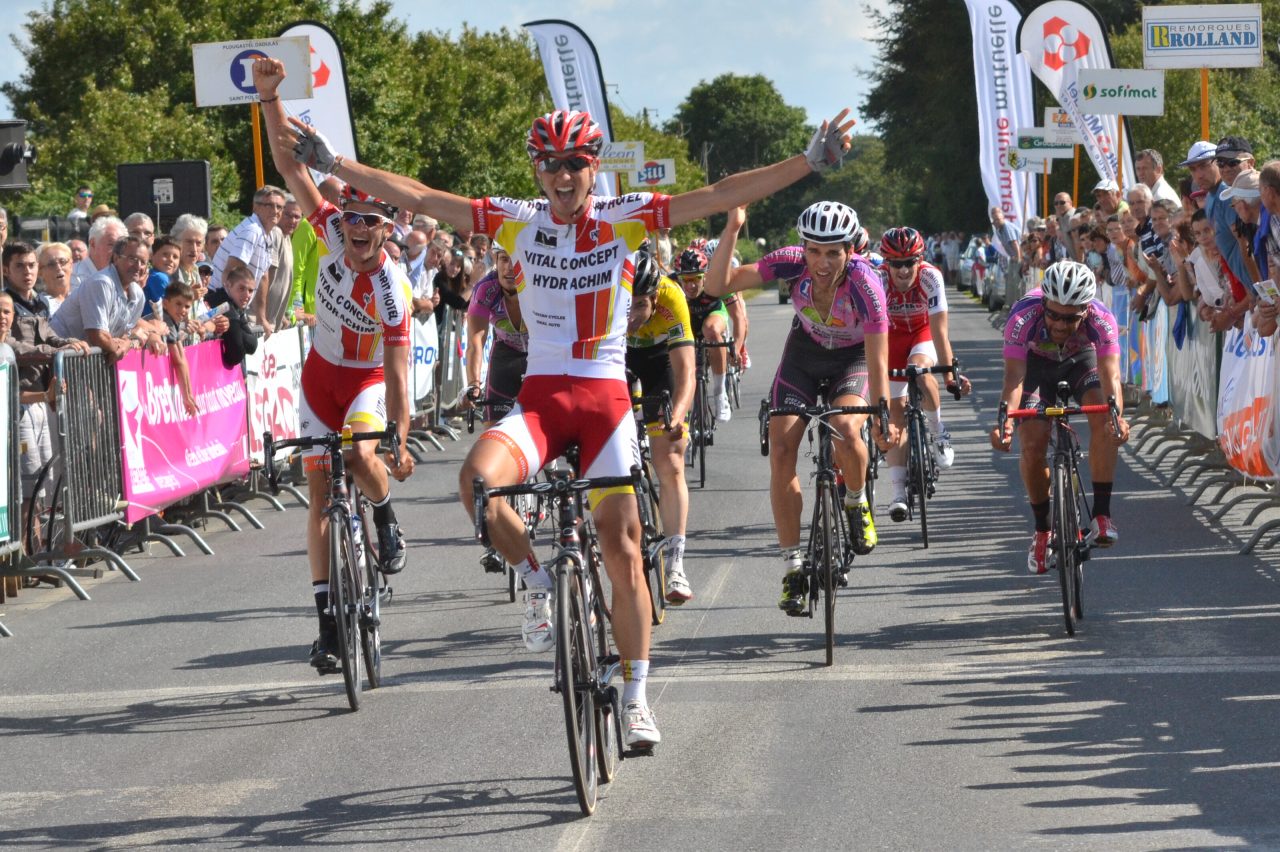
(1061,332)
(495,303)
(574,256)
(660,355)
(917,298)
(711,321)
(839,338)
(357,372)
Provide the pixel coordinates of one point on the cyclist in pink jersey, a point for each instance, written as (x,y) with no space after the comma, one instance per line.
(838,340)
(357,372)
(574,257)
(1055,334)
(918,334)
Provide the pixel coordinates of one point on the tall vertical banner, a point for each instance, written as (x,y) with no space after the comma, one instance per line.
(329,108)
(1004,103)
(1058,39)
(1246,407)
(572,66)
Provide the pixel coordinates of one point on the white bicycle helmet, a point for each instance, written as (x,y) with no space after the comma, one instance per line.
(1069,283)
(827,222)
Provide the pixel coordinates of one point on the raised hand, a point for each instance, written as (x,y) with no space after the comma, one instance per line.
(830,142)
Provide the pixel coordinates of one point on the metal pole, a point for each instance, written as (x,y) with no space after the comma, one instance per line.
(1204,103)
(1120,154)
(256,121)
(1075,183)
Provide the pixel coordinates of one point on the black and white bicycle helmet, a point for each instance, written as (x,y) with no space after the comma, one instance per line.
(1069,283)
(647,276)
(827,222)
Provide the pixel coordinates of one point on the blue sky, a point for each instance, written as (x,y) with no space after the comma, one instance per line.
(654,52)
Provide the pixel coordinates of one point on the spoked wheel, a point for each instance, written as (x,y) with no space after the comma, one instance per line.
(873,466)
(827,562)
(655,552)
(704,437)
(920,475)
(345,598)
(575,666)
(764,427)
(735,388)
(1063,543)
(511,583)
(370,613)
(607,707)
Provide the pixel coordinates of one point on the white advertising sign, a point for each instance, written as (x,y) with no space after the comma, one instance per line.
(1059,128)
(423,357)
(1020,162)
(1226,36)
(1121,91)
(224,69)
(328,109)
(653,173)
(273,380)
(1032,143)
(622,157)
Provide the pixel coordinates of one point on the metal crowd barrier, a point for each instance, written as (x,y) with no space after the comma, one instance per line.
(451,378)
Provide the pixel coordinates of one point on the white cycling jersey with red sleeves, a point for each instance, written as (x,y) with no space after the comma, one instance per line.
(356,312)
(574,279)
(909,312)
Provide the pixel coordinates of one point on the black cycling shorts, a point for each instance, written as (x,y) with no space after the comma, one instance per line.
(506,375)
(1040,387)
(805,367)
(651,365)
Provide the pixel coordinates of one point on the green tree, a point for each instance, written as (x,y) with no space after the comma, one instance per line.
(661,146)
(743,122)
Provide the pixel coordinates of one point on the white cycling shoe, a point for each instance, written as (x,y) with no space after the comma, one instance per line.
(678,588)
(537,630)
(639,727)
(898,508)
(725,411)
(942,451)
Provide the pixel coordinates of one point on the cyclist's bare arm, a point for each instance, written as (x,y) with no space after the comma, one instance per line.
(746,187)
(682,363)
(403,191)
(477,333)
(1109,374)
(267,76)
(939,329)
(721,278)
(738,313)
(1015,371)
(395,365)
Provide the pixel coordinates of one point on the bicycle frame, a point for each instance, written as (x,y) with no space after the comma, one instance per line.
(922,467)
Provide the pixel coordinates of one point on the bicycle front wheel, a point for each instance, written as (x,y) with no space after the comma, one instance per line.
(605,702)
(655,552)
(575,674)
(371,595)
(1063,542)
(345,599)
(920,474)
(826,561)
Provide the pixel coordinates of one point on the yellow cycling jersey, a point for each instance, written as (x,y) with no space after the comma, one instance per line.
(669,323)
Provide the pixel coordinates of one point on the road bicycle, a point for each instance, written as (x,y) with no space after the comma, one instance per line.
(702,419)
(1069,543)
(584,665)
(654,540)
(357,587)
(922,464)
(830,550)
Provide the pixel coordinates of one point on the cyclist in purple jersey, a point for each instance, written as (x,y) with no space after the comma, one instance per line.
(494,304)
(838,340)
(1062,333)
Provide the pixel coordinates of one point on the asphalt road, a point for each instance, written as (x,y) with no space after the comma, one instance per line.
(179,711)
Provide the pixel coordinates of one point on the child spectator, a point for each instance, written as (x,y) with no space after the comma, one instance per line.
(165,254)
(237,292)
(178,299)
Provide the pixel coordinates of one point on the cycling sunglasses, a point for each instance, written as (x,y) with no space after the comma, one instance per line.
(1065,319)
(576,163)
(369,220)
(1230,162)
(904,264)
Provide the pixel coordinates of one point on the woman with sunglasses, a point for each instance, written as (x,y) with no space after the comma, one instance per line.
(357,371)
(918,334)
(1058,333)
(838,340)
(575,255)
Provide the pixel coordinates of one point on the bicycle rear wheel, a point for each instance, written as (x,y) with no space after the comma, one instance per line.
(344,598)
(826,562)
(575,667)
(1063,542)
(920,473)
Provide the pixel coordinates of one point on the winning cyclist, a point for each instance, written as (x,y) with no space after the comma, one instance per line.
(574,257)
(839,338)
(918,335)
(1062,333)
(660,355)
(357,372)
(711,321)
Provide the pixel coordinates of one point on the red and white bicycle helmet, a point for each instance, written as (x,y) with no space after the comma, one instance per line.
(564,131)
(901,244)
(350,194)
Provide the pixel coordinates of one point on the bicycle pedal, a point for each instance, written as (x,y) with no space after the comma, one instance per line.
(843,580)
(328,670)
(367,620)
(639,751)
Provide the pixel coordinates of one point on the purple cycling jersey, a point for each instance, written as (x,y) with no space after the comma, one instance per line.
(859,307)
(487,303)
(1027,334)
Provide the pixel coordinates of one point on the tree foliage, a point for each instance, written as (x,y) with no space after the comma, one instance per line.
(661,146)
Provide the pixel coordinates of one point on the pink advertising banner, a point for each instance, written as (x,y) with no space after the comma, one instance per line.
(169,454)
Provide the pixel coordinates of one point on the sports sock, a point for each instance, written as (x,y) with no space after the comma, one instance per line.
(855,498)
(935,421)
(382,512)
(320,588)
(532,573)
(634,674)
(676,543)
(1041,512)
(898,479)
(1102,498)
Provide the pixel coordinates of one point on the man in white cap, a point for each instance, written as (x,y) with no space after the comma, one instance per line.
(1245,198)
(1201,161)
(1232,155)
(1108,195)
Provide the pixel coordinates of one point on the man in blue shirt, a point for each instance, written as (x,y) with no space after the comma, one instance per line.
(1214,168)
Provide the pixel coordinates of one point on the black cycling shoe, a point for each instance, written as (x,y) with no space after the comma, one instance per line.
(324,651)
(492,562)
(391,550)
(795,593)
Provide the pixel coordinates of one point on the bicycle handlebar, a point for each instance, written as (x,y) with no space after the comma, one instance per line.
(481,402)
(664,402)
(333,442)
(911,371)
(1060,411)
(559,486)
(821,412)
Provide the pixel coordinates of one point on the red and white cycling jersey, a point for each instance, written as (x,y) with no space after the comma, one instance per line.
(574,279)
(909,312)
(356,312)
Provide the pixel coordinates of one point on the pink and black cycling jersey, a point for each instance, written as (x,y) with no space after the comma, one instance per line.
(909,312)
(1026,332)
(487,304)
(858,309)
